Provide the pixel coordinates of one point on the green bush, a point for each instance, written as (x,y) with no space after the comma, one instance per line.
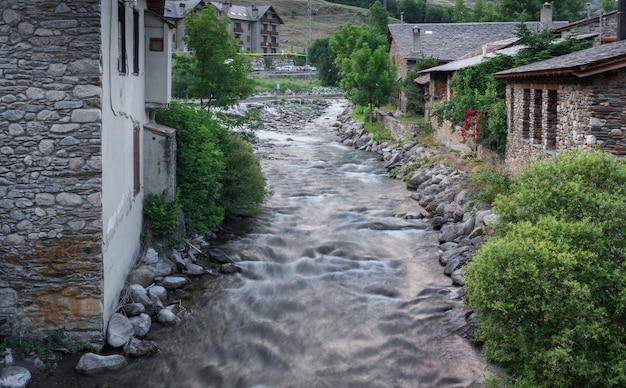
(217,173)
(161,215)
(549,286)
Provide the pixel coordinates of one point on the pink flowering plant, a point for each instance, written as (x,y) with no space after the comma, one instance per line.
(470,129)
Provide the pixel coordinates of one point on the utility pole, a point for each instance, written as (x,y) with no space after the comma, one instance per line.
(308,35)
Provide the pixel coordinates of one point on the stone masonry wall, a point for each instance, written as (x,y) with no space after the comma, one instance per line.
(589,114)
(50,168)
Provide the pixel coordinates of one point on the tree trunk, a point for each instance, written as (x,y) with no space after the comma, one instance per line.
(371,114)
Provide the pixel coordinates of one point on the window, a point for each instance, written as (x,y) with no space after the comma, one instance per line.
(537,116)
(135,42)
(525,113)
(121,37)
(552,120)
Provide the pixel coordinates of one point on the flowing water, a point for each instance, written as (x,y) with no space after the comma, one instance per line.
(336,289)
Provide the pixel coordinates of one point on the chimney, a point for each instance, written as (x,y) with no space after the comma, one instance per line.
(181,8)
(225,7)
(255,12)
(546,16)
(416,39)
(401,18)
(621,20)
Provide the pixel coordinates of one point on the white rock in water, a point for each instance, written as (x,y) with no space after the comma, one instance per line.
(91,363)
(14,377)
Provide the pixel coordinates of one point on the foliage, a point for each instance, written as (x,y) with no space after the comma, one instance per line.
(491,182)
(243,184)
(368,77)
(460,13)
(419,11)
(220,73)
(413,91)
(406,171)
(379,131)
(162,215)
(525,10)
(323,58)
(549,286)
(475,88)
(212,166)
(377,19)
(485,11)
(181,79)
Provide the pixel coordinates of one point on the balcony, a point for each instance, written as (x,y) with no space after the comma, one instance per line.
(238,29)
(271,21)
(269,32)
(269,44)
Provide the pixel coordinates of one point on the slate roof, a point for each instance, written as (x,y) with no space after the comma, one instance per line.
(450,41)
(172,8)
(240,12)
(582,63)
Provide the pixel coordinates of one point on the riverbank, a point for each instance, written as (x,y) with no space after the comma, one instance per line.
(441,194)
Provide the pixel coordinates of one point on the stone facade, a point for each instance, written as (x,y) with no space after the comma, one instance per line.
(50,167)
(546,118)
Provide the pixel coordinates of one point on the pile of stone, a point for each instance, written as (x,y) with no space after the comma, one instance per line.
(442,193)
(13,376)
(152,297)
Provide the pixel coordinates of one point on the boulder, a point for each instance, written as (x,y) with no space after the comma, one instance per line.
(140,348)
(133,309)
(193,269)
(457,277)
(229,268)
(14,377)
(151,257)
(142,275)
(119,330)
(137,294)
(159,291)
(174,282)
(91,363)
(141,324)
(167,317)
(219,256)
(177,259)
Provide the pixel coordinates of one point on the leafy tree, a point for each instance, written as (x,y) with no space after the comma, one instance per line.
(220,72)
(526,10)
(608,5)
(485,11)
(549,286)
(368,77)
(378,18)
(460,12)
(323,58)
(350,38)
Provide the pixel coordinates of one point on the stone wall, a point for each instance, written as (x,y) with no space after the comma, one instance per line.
(50,168)
(588,113)
(399,129)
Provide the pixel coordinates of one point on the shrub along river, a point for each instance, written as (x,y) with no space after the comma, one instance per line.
(336,289)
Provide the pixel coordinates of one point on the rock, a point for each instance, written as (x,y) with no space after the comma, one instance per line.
(445,257)
(141,324)
(159,291)
(8,357)
(142,275)
(133,309)
(151,257)
(177,259)
(219,256)
(137,293)
(167,318)
(119,330)
(174,282)
(194,269)
(156,302)
(450,232)
(448,246)
(162,268)
(457,277)
(91,363)
(14,377)
(416,180)
(437,222)
(140,348)
(229,268)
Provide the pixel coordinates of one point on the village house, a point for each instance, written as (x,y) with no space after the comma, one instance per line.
(575,101)
(446,42)
(175,12)
(79,85)
(256,28)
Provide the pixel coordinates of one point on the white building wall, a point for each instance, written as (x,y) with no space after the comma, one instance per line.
(123,109)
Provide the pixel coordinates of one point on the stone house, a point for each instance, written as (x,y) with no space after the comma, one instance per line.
(175,12)
(575,101)
(257,28)
(79,85)
(603,28)
(445,41)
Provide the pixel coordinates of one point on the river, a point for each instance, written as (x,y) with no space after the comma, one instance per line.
(336,289)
